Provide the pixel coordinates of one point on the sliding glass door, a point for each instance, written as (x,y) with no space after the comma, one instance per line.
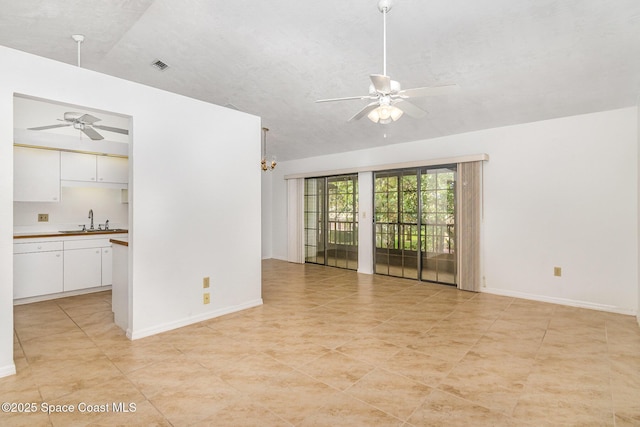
(331,221)
(415,230)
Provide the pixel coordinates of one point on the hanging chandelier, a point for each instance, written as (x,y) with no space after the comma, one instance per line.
(263,162)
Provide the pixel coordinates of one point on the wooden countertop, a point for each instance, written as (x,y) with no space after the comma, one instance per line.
(121,242)
(31,235)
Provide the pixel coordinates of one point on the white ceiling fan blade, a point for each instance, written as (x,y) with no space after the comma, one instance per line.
(366,110)
(409,108)
(347,98)
(91,133)
(381,83)
(427,91)
(112,129)
(88,119)
(50,127)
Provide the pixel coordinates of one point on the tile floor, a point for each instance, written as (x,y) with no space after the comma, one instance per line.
(330,347)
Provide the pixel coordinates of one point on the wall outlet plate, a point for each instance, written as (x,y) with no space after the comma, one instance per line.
(205,282)
(43,217)
(206,298)
(557,271)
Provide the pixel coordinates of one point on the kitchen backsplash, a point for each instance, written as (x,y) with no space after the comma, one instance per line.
(72,210)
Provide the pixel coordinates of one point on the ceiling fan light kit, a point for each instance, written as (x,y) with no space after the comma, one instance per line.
(388,102)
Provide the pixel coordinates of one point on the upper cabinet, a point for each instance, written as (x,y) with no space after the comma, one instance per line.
(77,169)
(36,175)
(77,166)
(112,169)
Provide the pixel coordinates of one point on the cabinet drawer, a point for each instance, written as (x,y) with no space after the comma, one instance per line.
(84,244)
(23,248)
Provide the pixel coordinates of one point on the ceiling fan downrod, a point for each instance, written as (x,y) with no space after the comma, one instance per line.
(384,6)
(78,38)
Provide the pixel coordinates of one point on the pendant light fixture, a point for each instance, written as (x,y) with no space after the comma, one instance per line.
(263,162)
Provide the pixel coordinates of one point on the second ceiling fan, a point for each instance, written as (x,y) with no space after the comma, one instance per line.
(389,100)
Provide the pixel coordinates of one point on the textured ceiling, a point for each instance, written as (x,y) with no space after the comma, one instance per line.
(515,61)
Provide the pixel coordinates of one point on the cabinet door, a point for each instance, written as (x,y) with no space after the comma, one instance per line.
(37,273)
(36,175)
(113,169)
(107,262)
(77,167)
(82,268)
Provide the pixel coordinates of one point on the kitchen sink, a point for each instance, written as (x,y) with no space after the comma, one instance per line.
(111,230)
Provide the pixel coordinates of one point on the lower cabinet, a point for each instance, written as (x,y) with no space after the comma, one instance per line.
(107,270)
(82,268)
(85,264)
(37,273)
(42,268)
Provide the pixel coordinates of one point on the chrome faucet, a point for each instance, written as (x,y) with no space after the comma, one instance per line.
(91,218)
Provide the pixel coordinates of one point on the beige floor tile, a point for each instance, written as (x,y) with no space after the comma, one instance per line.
(418,366)
(242,412)
(498,391)
(554,409)
(337,370)
(292,395)
(443,409)
(253,372)
(46,329)
(334,347)
(61,377)
(73,344)
(347,411)
(195,400)
(369,349)
(394,394)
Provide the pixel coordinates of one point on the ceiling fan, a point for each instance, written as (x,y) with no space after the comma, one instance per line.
(389,100)
(84,123)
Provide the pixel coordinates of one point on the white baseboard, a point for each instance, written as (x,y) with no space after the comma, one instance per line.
(164,327)
(561,301)
(7,370)
(48,297)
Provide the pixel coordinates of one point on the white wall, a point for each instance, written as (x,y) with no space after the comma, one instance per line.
(560,192)
(266,219)
(72,210)
(186,219)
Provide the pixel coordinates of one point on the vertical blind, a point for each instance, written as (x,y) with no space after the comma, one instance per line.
(469,219)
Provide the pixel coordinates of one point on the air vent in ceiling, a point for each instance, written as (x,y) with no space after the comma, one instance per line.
(160,65)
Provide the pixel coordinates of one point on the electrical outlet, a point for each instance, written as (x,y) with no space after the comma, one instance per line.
(43,217)
(205,282)
(557,271)
(206,298)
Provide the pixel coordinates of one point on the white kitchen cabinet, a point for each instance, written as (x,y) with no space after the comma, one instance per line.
(36,175)
(107,270)
(83,263)
(37,269)
(52,266)
(112,169)
(78,168)
(82,269)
